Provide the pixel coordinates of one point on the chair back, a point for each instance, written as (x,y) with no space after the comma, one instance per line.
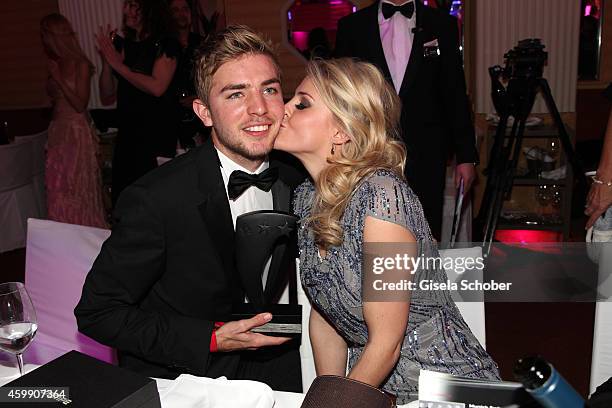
(58,258)
(16,161)
(306,357)
(22,188)
(473,312)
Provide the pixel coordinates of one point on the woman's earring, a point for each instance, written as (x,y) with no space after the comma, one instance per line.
(333,149)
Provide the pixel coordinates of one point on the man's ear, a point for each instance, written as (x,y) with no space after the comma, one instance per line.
(203,112)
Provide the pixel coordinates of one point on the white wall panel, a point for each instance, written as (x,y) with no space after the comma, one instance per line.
(500,24)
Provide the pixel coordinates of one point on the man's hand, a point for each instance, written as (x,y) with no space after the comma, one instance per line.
(237,335)
(598,201)
(467,172)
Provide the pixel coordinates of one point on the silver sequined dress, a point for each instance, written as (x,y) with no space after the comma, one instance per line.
(437,338)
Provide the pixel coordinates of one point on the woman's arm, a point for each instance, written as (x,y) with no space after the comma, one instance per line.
(78,98)
(328,347)
(386,321)
(107,85)
(154,84)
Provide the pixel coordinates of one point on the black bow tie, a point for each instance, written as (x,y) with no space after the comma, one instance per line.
(389,10)
(239,181)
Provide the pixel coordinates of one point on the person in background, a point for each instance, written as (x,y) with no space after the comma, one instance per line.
(72,174)
(162,289)
(599,199)
(318,45)
(417,50)
(183,83)
(342,124)
(136,74)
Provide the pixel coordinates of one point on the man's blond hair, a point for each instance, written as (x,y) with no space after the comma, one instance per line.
(227,45)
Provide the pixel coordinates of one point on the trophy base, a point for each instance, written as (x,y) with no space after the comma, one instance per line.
(286,319)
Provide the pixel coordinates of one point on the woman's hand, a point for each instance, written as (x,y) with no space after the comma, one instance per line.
(598,201)
(106,48)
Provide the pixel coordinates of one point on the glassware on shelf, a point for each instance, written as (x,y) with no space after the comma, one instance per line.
(544,195)
(557,196)
(553,147)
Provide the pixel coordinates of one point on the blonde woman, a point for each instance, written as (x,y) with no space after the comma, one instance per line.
(74,186)
(342,125)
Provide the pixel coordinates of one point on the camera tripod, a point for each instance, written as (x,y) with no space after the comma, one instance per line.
(516,100)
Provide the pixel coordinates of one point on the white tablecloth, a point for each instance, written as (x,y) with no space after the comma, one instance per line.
(22,188)
(9,372)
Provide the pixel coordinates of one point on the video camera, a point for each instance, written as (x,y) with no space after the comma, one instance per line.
(526,60)
(523,65)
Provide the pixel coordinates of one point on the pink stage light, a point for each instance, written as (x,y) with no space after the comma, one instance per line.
(527,236)
(300,40)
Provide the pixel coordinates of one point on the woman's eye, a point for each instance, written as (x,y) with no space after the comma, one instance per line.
(301,106)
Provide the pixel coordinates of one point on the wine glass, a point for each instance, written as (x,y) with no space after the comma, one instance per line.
(557,198)
(543,196)
(552,146)
(17,320)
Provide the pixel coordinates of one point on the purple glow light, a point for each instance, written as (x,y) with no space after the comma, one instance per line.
(587,10)
(354,9)
(336,2)
(289,16)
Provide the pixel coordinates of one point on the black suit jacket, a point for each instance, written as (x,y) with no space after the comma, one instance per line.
(166,273)
(435,107)
(435,118)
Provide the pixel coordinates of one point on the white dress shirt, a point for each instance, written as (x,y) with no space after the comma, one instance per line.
(396,37)
(253,199)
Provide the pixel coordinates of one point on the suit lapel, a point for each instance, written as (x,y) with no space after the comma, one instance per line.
(214,209)
(416,53)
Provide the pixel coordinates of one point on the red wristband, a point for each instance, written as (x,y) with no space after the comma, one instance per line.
(213,337)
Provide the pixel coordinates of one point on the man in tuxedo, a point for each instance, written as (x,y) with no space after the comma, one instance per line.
(162,288)
(417,50)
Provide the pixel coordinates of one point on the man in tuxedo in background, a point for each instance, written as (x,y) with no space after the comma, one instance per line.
(417,50)
(162,288)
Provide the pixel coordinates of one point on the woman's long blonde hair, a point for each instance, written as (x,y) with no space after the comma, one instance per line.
(366,109)
(59,39)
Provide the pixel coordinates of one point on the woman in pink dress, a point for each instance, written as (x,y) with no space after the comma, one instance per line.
(74,188)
